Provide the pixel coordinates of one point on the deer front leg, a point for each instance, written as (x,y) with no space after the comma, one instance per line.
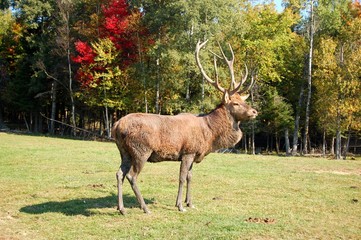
(188,195)
(186,164)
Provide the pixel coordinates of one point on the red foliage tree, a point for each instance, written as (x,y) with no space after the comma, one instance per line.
(116,24)
(86,54)
(116,27)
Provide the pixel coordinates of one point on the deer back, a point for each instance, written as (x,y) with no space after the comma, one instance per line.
(168,137)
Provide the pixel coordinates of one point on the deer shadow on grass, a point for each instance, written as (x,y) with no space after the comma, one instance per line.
(81,206)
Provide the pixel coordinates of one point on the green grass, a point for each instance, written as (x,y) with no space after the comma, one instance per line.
(53,188)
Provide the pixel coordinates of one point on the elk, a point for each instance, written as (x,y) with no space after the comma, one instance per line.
(187,138)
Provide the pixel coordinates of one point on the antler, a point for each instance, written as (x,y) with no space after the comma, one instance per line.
(230,67)
(244,78)
(214,83)
(229,63)
(253,81)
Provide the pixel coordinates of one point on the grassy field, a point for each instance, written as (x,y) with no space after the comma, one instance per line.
(53,188)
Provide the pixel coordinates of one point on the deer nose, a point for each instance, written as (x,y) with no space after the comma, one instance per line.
(254,112)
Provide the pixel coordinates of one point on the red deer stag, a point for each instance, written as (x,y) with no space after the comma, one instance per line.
(186,137)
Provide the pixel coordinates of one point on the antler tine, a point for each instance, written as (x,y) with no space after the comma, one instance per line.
(233,81)
(214,83)
(244,78)
(229,63)
(250,86)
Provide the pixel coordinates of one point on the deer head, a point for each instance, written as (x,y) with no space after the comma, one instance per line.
(233,101)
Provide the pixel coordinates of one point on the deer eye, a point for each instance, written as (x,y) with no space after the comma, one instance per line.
(236,104)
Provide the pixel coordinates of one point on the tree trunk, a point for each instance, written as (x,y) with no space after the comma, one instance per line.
(31,125)
(309,82)
(26,122)
(287,142)
(267,146)
(297,123)
(157,108)
(253,132)
(107,123)
(245,143)
(2,124)
(355,145)
(202,107)
(53,107)
(71,94)
(36,123)
(63,42)
(277,143)
(338,136)
(40,123)
(324,143)
(253,140)
(347,145)
(142,73)
(332,150)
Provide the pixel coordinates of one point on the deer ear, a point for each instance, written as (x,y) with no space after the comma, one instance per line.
(244,97)
(226,98)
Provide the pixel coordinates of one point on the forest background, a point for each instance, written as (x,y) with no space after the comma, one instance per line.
(72,67)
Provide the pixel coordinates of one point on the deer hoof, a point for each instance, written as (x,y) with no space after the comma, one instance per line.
(181,209)
(121,211)
(191,206)
(146,211)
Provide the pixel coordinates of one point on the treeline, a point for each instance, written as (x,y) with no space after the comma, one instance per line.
(71,67)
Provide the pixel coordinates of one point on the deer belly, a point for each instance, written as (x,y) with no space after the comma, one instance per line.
(164,156)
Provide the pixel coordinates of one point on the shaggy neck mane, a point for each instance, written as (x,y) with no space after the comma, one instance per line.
(225,129)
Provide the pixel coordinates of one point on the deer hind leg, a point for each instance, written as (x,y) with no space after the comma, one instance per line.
(132,175)
(186,165)
(132,178)
(123,170)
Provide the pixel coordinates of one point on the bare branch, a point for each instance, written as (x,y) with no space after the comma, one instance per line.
(42,67)
(215,54)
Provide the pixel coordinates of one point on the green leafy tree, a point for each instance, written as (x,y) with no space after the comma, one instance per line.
(33,43)
(268,43)
(176,26)
(7,44)
(276,115)
(337,72)
(105,86)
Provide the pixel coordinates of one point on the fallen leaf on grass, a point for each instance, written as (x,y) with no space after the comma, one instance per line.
(217,198)
(97,185)
(261,220)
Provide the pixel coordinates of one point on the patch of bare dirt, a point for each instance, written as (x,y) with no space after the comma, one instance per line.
(334,172)
(338,172)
